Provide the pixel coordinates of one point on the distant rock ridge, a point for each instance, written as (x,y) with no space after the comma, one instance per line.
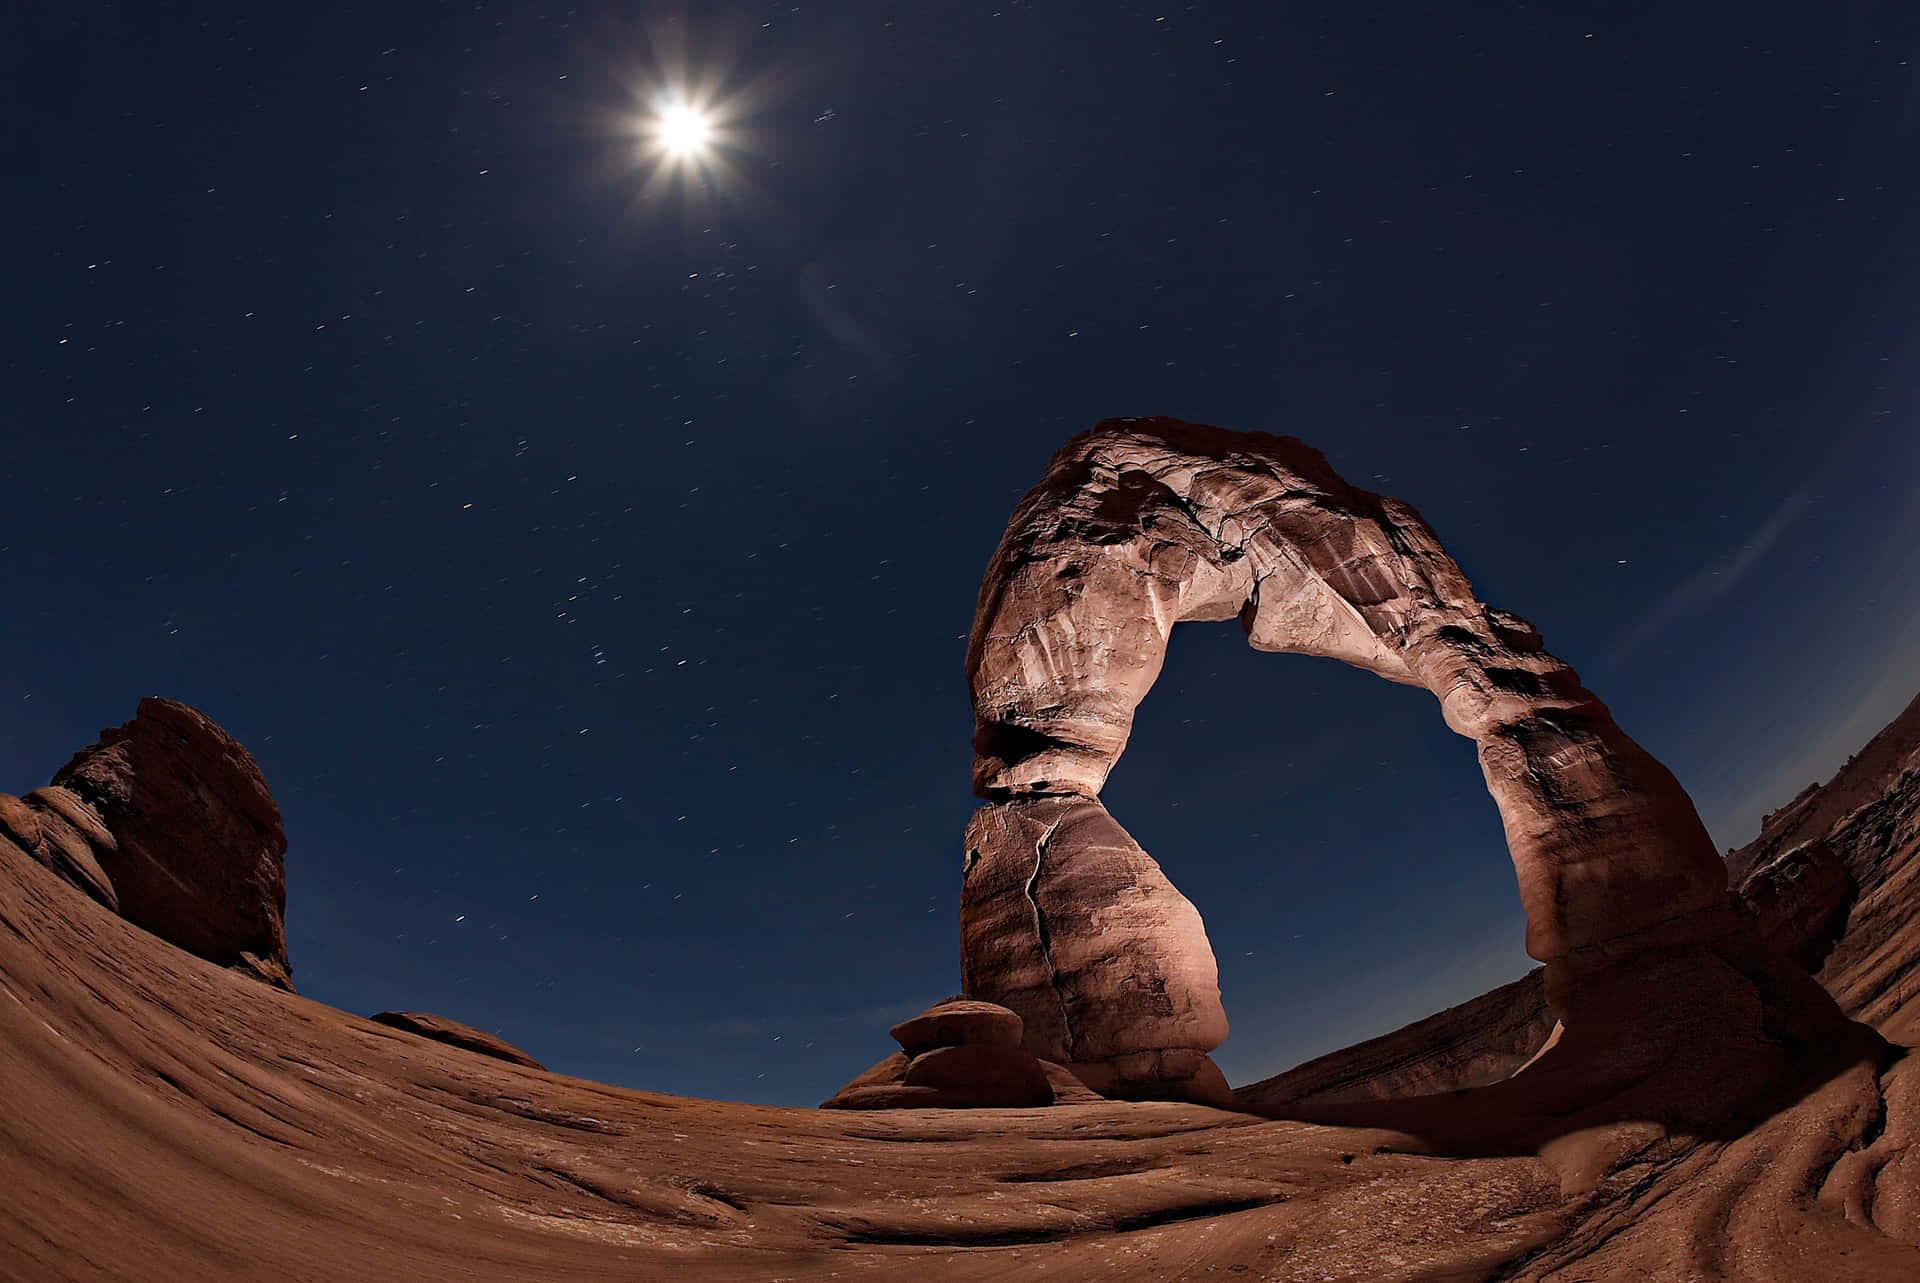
(1845,861)
(1139,524)
(168,822)
(1820,808)
(1479,1042)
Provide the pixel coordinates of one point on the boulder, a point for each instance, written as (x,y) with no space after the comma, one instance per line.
(196,850)
(959,1054)
(1010,1069)
(958,1021)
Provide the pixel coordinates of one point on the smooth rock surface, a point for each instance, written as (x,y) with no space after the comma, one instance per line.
(1009,1069)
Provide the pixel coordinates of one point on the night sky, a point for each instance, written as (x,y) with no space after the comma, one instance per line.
(585,546)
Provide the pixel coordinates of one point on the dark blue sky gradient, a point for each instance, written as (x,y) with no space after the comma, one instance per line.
(587,559)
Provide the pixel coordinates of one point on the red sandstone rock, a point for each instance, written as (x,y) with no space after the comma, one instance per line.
(1799,901)
(300,1142)
(1067,921)
(1844,859)
(1800,898)
(901,1096)
(978,1065)
(197,844)
(884,1087)
(966,1053)
(38,825)
(1067,1087)
(170,1120)
(957,1021)
(890,1072)
(1143,523)
(455,1034)
(1865,780)
(1173,1074)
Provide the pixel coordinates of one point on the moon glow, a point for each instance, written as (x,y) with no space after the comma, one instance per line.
(684,132)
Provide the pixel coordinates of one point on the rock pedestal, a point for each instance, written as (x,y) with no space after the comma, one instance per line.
(1067,921)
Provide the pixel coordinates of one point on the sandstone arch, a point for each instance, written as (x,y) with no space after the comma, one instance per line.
(1140,524)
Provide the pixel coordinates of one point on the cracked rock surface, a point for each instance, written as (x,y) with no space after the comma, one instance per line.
(1068,922)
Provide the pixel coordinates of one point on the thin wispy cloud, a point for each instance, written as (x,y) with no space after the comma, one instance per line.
(1715,578)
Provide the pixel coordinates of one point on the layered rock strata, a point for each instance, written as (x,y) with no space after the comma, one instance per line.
(1141,524)
(1836,875)
(455,1034)
(168,822)
(960,1054)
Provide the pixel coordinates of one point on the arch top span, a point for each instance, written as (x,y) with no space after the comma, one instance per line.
(1140,524)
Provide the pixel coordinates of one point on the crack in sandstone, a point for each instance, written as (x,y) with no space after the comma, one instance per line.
(1040,930)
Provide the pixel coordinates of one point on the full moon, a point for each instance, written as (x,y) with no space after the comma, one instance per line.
(684,132)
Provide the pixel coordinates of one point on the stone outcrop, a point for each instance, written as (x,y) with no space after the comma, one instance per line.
(168,822)
(1834,877)
(1864,780)
(1798,901)
(57,829)
(1141,524)
(960,1054)
(455,1034)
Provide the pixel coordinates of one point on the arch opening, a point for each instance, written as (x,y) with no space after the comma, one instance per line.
(1141,524)
(1334,837)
